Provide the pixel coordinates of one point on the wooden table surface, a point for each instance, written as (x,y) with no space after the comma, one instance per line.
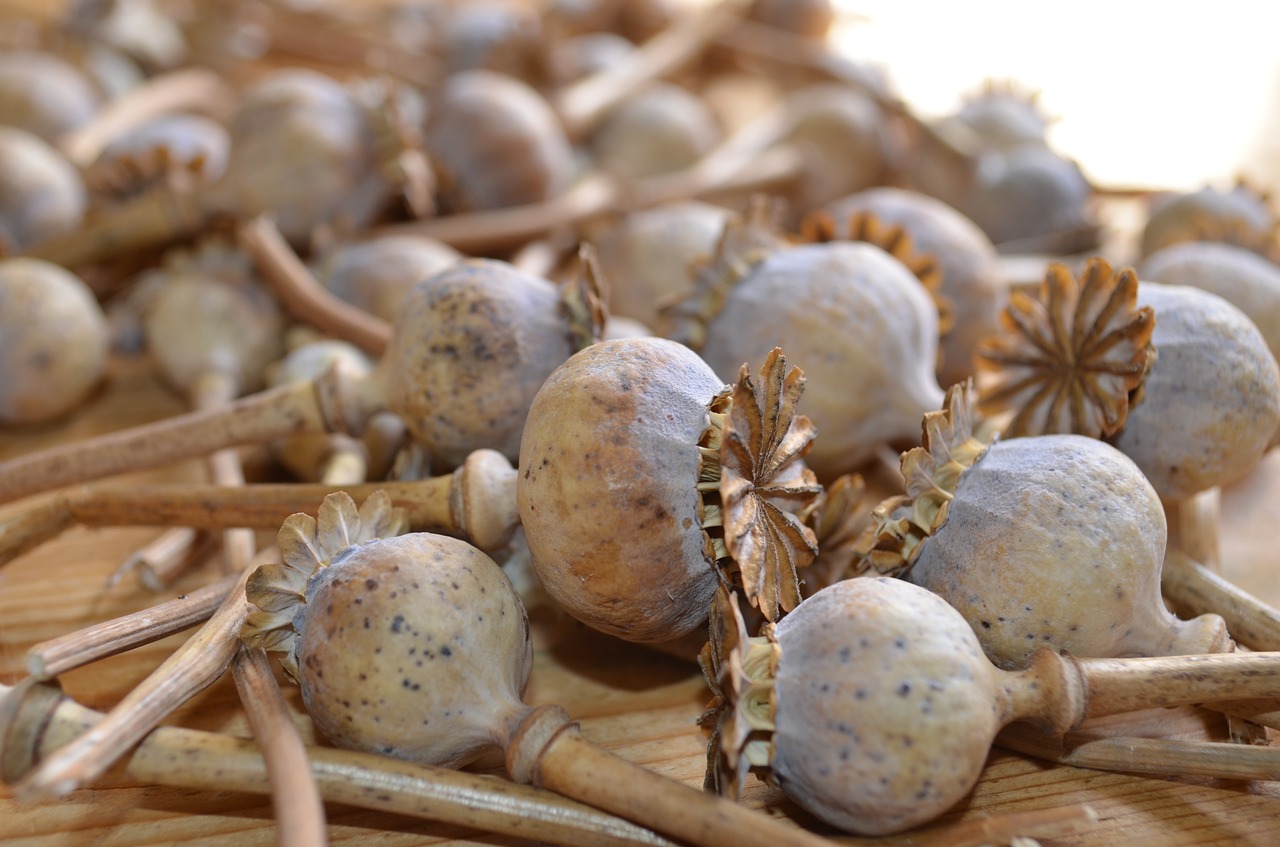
(637,703)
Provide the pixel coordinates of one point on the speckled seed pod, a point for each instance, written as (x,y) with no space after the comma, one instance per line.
(608,488)
(494,142)
(53,341)
(1207,212)
(472,346)
(860,324)
(1241,277)
(865,739)
(1211,402)
(970,273)
(1058,541)
(376,275)
(41,194)
(43,94)
(375,665)
(660,129)
(647,257)
(1027,192)
(303,149)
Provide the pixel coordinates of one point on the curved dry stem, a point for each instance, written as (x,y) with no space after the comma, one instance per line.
(295,797)
(303,296)
(45,721)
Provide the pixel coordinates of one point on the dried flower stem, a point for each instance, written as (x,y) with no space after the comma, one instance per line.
(215,390)
(1199,590)
(1156,756)
(40,723)
(295,797)
(189,670)
(162,559)
(192,88)
(303,296)
(582,105)
(546,749)
(476,502)
(170,211)
(254,419)
(48,659)
(1002,829)
(1194,526)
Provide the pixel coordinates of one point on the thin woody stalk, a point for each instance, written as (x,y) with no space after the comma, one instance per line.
(476,501)
(44,721)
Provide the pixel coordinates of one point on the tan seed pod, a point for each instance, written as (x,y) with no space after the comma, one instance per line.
(376,275)
(41,195)
(43,94)
(53,341)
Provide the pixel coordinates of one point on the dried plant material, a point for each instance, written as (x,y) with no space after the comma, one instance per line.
(307,544)
(900,524)
(739,670)
(745,243)
(838,520)
(819,227)
(584,298)
(1072,360)
(765,488)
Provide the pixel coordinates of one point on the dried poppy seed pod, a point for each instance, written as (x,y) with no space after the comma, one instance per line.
(53,341)
(306,149)
(190,144)
(1236,274)
(964,254)
(872,705)
(1003,117)
(494,142)
(1211,402)
(472,346)
(43,94)
(653,580)
(844,140)
(648,256)
(861,321)
(207,313)
(374,665)
(640,434)
(1207,213)
(376,275)
(41,194)
(1026,193)
(1043,541)
(657,130)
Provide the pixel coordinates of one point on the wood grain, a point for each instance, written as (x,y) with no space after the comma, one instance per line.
(635,702)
